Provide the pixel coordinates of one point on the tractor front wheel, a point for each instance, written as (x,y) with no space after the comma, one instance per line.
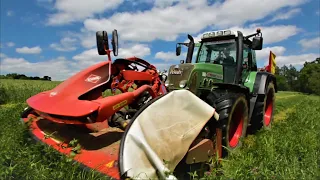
(233,120)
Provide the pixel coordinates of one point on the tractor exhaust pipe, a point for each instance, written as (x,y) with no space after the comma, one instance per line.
(190,49)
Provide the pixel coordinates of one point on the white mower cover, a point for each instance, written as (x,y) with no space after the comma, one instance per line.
(163,131)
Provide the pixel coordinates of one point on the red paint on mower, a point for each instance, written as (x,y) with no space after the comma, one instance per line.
(99,150)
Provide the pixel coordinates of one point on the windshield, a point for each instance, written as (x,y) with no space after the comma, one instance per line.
(218,52)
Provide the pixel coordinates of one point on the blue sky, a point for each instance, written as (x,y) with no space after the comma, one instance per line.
(57,37)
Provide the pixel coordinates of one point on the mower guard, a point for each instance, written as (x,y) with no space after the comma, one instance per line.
(163,129)
(64,99)
(160,135)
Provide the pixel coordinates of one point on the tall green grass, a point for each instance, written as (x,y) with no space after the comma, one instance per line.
(290,150)
(17,91)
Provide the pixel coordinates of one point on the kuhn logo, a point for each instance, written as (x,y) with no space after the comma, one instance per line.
(93,78)
(53,94)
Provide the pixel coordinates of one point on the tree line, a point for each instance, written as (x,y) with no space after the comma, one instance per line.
(22,76)
(307,80)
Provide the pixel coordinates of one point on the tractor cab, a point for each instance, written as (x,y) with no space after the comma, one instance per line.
(223,56)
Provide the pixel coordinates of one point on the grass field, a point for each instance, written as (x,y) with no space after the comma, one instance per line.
(290,150)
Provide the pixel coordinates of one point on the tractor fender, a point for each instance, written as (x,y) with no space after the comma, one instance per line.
(228,87)
(262,81)
(233,87)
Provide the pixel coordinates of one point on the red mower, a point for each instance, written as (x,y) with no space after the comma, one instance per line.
(76,114)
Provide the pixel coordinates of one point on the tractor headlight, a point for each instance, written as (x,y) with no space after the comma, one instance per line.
(183,83)
(219,33)
(166,83)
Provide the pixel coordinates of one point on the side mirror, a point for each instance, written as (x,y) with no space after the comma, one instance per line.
(102,42)
(257,43)
(178,49)
(114,42)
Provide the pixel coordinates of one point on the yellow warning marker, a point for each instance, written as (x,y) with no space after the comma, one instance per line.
(110,164)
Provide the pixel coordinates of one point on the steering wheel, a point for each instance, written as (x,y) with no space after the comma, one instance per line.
(217,60)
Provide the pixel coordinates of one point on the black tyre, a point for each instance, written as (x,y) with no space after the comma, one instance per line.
(233,119)
(263,112)
(102,42)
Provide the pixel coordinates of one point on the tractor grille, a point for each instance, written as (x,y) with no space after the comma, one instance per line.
(178,73)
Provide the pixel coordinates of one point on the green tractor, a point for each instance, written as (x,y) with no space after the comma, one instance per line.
(225,75)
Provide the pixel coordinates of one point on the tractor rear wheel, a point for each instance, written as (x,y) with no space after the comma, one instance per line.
(263,112)
(233,120)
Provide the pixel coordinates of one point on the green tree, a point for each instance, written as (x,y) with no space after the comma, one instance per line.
(282,83)
(310,76)
(292,78)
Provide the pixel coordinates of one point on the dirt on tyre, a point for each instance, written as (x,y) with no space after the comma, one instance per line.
(233,120)
(263,112)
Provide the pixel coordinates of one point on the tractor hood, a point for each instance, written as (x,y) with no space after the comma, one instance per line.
(195,76)
(64,98)
(178,74)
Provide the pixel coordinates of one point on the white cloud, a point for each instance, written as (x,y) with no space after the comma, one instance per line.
(66,44)
(56,68)
(27,50)
(281,59)
(286,15)
(2,55)
(167,22)
(231,14)
(170,56)
(87,58)
(138,50)
(164,3)
(296,60)
(91,56)
(163,66)
(10,13)
(263,55)
(88,39)
(10,44)
(310,43)
(77,10)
